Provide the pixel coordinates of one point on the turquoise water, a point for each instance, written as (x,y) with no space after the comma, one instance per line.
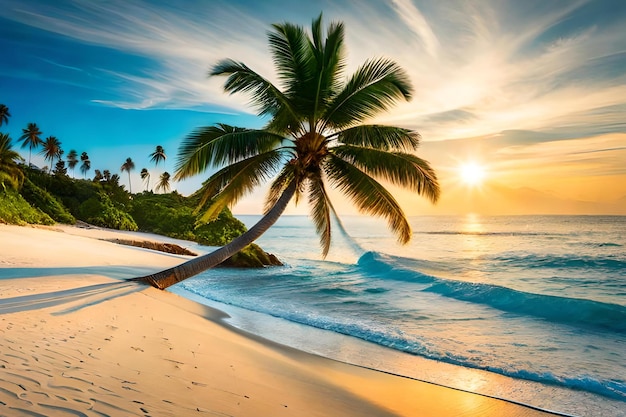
(537,300)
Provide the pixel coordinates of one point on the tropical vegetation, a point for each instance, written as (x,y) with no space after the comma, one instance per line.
(319,135)
(37,196)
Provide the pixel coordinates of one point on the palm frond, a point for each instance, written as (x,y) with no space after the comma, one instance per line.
(219,145)
(403,169)
(387,138)
(264,95)
(320,210)
(280,183)
(374,87)
(234,181)
(368,195)
(292,56)
(330,60)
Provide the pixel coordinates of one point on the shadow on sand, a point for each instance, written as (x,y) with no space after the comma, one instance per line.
(111,271)
(75,298)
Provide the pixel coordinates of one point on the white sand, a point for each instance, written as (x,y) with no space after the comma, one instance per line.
(77,341)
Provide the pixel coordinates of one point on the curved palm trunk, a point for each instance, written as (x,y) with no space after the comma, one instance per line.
(171,276)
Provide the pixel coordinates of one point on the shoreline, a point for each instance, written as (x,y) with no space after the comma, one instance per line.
(110,346)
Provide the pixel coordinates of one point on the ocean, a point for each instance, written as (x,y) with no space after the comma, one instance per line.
(531,309)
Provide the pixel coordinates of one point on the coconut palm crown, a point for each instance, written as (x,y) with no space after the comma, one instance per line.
(31,138)
(72,159)
(128,166)
(51,149)
(164,182)
(318,135)
(158,155)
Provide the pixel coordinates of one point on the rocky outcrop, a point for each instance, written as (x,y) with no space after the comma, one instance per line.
(251,257)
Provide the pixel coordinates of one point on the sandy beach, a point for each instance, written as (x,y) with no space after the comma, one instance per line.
(78,341)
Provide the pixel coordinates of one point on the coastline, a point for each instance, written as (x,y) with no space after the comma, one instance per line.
(75,338)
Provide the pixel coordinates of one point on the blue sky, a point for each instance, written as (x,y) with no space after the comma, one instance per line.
(533,91)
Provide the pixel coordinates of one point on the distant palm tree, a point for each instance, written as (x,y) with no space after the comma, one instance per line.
(114,180)
(106,175)
(158,155)
(9,163)
(128,166)
(72,160)
(164,182)
(4,114)
(59,168)
(86,164)
(145,176)
(31,138)
(317,136)
(97,175)
(51,149)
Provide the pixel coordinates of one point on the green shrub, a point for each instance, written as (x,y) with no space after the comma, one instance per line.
(220,231)
(101,211)
(46,202)
(174,215)
(15,210)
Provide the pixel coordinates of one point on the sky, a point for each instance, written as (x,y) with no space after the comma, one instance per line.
(532,94)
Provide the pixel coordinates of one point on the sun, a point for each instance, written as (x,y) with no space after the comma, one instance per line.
(472,173)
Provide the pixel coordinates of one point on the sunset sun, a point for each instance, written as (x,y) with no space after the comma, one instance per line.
(472,173)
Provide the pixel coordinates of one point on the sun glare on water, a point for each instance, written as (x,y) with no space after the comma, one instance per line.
(472,173)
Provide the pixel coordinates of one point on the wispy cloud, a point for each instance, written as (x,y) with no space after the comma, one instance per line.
(478,67)
(416,22)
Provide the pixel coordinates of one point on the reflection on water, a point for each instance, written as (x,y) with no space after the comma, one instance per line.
(473,246)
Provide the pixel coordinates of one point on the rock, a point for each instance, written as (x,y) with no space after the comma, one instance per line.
(251,256)
(160,246)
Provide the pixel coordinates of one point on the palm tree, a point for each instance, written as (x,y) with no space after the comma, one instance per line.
(86,164)
(97,176)
(4,114)
(145,176)
(164,182)
(31,138)
(158,155)
(128,166)
(72,160)
(9,159)
(51,149)
(316,137)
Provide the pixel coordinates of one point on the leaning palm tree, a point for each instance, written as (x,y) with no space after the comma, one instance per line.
(128,166)
(31,138)
(85,164)
(158,155)
(9,163)
(317,136)
(4,114)
(164,182)
(145,176)
(51,149)
(72,160)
